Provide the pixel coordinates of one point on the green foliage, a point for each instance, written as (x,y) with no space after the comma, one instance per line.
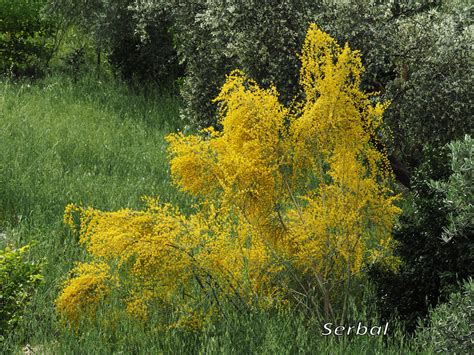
(214,37)
(75,61)
(450,325)
(144,54)
(431,95)
(18,280)
(432,267)
(76,55)
(459,190)
(26,37)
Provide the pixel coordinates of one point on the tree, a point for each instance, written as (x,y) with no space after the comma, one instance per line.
(26,38)
(144,54)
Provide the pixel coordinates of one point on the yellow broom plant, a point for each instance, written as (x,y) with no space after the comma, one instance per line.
(289,199)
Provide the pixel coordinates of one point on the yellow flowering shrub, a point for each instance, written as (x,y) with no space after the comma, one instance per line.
(283,193)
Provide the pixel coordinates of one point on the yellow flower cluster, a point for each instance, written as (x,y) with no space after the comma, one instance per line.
(82,293)
(281,190)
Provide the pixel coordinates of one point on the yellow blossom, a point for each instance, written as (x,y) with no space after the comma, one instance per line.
(281,191)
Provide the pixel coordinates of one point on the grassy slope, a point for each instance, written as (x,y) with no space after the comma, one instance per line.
(100,145)
(90,143)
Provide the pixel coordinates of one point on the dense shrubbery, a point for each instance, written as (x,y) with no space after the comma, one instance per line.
(151,59)
(18,280)
(26,38)
(435,236)
(144,56)
(138,55)
(431,96)
(449,329)
(292,203)
(459,191)
(214,37)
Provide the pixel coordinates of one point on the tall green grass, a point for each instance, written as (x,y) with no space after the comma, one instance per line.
(92,143)
(256,332)
(100,144)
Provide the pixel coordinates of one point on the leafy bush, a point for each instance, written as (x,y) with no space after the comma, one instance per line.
(459,190)
(144,54)
(26,38)
(431,99)
(442,209)
(450,325)
(18,279)
(214,37)
(292,202)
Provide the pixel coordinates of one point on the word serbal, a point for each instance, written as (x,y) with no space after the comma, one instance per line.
(356,330)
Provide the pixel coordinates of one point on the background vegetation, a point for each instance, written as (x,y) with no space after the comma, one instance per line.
(90,88)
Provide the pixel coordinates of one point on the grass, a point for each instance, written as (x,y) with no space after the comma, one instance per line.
(99,144)
(91,143)
(95,144)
